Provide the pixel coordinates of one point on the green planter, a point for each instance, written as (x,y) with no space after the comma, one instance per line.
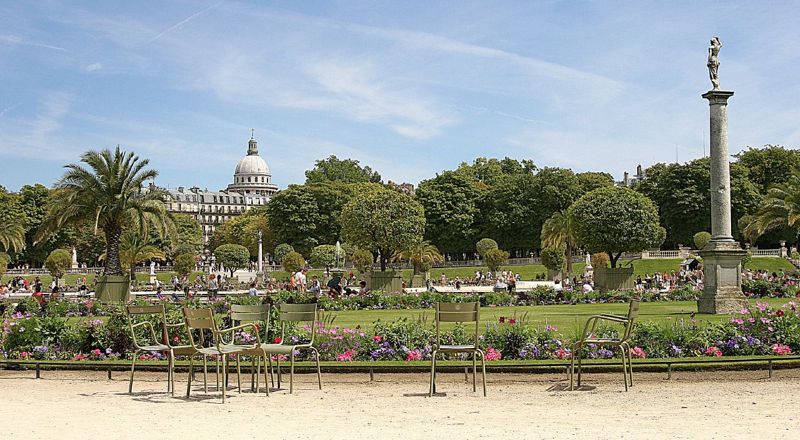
(389,281)
(618,278)
(113,289)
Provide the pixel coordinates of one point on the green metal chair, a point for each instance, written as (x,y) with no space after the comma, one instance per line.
(622,342)
(241,314)
(201,320)
(295,313)
(458,312)
(162,345)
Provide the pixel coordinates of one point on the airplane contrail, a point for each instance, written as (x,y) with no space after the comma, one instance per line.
(182,22)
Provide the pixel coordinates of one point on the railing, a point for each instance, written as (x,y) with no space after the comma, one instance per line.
(766,252)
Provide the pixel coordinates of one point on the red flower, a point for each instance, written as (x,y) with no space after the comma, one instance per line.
(377,338)
(779,312)
(502,319)
(258,327)
(512,321)
(277,340)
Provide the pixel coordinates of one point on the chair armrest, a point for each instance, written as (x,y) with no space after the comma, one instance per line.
(241,327)
(149,325)
(614,318)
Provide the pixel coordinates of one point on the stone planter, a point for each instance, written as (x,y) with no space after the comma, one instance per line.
(113,289)
(618,278)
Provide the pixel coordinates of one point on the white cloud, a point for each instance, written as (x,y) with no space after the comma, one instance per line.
(93,67)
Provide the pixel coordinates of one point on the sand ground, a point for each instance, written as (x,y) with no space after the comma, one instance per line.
(721,405)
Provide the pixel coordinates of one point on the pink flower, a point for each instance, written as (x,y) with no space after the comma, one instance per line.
(347,356)
(563,353)
(781,349)
(744,311)
(638,352)
(377,338)
(713,351)
(762,305)
(79,357)
(492,355)
(737,321)
(23,355)
(550,328)
(765,321)
(414,355)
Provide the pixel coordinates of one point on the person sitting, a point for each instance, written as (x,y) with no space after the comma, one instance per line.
(315,287)
(335,286)
(159,293)
(587,287)
(363,290)
(558,287)
(187,294)
(499,285)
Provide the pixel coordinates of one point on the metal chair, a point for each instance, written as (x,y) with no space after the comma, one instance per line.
(203,320)
(458,312)
(622,342)
(241,314)
(164,346)
(294,313)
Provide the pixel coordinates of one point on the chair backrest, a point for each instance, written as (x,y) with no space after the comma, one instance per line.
(200,319)
(298,313)
(633,313)
(157,310)
(244,313)
(458,312)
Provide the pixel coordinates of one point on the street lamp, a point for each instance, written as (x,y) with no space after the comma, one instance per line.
(260,253)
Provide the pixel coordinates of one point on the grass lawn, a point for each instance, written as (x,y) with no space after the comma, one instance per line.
(568,318)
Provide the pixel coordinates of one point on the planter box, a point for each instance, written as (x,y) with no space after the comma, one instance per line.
(389,281)
(113,289)
(618,278)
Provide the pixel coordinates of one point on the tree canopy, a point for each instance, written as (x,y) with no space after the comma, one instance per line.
(768,165)
(334,169)
(232,256)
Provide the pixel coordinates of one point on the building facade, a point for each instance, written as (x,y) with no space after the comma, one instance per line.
(252,187)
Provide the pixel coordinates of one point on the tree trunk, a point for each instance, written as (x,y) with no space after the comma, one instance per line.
(569,259)
(614,258)
(384,258)
(112,264)
(133,272)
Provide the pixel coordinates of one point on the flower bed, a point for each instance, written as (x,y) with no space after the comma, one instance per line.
(757,331)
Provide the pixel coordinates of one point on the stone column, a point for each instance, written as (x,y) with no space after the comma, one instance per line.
(722,256)
(260,254)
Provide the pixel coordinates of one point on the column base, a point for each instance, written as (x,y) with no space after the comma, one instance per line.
(722,269)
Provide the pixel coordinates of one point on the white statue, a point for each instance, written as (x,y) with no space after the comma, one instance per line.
(713,62)
(74,258)
(152,268)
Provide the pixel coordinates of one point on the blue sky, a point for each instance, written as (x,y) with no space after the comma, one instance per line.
(410,88)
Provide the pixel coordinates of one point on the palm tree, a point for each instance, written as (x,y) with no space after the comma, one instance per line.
(557,231)
(12,235)
(780,207)
(134,249)
(109,193)
(422,255)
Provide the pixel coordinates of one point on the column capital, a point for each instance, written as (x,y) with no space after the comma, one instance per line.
(717,97)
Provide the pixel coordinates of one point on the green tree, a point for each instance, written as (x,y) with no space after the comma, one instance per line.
(12,222)
(135,248)
(616,220)
(769,165)
(109,193)
(184,264)
(422,256)
(492,171)
(553,258)
(243,230)
(232,256)
(591,180)
(682,194)
(362,260)
(779,208)
(4,260)
(495,258)
(701,239)
(326,256)
(334,169)
(383,220)
(484,245)
(293,261)
(89,243)
(450,201)
(293,215)
(558,233)
(281,251)
(188,235)
(58,262)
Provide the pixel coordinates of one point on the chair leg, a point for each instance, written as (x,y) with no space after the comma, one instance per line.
(205,374)
(278,366)
(254,373)
(433,372)
(577,352)
(133,367)
(319,370)
(291,373)
(238,374)
(630,365)
(266,383)
(217,363)
(474,371)
(624,368)
(172,372)
(572,370)
(483,369)
(271,376)
(224,375)
(191,373)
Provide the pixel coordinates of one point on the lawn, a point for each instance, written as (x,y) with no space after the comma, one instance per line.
(568,318)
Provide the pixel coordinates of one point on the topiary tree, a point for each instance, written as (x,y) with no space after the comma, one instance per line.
(484,245)
(701,239)
(616,220)
(232,256)
(553,258)
(599,259)
(362,260)
(58,262)
(325,256)
(293,261)
(494,258)
(383,220)
(281,251)
(184,263)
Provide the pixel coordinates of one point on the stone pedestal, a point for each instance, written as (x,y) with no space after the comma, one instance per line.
(722,278)
(722,256)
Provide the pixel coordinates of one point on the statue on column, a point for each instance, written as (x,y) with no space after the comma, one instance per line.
(713,62)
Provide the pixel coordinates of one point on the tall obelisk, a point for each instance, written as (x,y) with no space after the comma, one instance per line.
(722,256)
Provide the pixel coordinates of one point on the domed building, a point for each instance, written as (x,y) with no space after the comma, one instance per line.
(252,175)
(252,187)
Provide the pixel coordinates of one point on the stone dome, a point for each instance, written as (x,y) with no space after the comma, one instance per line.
(252,164)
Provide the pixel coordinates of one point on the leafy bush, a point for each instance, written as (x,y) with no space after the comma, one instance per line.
(293,261)
(484,245)
(494,258)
